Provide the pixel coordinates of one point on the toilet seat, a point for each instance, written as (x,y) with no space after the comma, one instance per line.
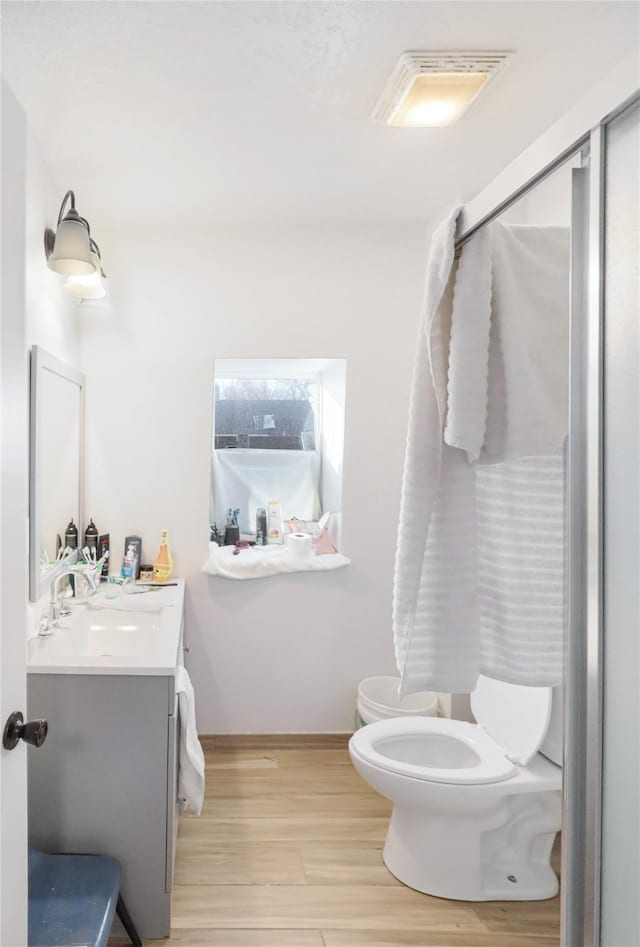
(434,750)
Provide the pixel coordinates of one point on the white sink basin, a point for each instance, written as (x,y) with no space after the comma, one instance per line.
(109,640)
(108,634)
(121,639)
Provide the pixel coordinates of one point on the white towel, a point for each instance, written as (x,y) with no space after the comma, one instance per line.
(530,298)
(191,765)
(468,371)
(521,569)
(258,562)
(509,355)
(508,409)
(434,616)
(477,544)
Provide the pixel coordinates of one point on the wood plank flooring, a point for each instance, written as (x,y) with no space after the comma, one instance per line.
(288,854)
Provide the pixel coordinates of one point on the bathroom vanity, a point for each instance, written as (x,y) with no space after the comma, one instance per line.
(105,781)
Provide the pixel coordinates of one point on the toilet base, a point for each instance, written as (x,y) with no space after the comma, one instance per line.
(498,856)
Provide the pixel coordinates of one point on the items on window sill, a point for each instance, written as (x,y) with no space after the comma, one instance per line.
(322,544)
(261,527)
(294,525)
(232,529)
(274,527)
(301,552)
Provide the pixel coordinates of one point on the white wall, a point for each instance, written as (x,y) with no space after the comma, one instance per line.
(51,321)
(283,654)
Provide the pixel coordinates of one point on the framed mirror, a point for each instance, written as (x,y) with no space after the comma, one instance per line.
(56,474)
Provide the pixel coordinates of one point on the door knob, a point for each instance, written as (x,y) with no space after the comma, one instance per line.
(33,731)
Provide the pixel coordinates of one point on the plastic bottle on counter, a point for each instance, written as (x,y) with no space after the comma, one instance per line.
(91,536)
(130,564)
(163,565)
(71,535)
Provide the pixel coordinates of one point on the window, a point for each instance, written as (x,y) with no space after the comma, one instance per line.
(278,432)
(265,413)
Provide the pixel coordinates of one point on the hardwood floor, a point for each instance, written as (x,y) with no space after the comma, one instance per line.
(288,854)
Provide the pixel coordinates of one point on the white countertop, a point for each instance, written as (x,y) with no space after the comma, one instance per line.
(131,634)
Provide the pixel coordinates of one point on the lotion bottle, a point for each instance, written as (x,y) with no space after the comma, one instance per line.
(274,524)
(164,564)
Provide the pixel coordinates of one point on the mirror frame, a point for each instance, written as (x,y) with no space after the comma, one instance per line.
(41,361)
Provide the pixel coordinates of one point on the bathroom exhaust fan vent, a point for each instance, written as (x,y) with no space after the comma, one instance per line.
(434,89)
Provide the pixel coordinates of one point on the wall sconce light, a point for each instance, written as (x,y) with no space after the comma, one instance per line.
(89,287)
(68,249)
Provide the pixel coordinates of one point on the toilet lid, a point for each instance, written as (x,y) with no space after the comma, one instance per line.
(517,717)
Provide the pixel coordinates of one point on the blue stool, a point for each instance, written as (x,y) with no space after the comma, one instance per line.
(72,900)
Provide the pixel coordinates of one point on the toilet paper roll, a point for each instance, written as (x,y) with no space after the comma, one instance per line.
(299,546)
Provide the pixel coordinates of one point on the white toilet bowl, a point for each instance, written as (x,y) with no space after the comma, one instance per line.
(476,806)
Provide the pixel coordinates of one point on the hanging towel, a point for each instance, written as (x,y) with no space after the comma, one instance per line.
(434,605)
(468,370)
(508,361)
(520,535)
(191,766)
(479,578)
(508,409)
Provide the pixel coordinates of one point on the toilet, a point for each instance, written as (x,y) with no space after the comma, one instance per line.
(476,806)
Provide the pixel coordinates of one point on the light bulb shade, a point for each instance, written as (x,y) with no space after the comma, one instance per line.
(95,307)
(71,252)
(88,287)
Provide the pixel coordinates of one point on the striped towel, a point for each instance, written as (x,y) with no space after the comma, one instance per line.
(479,576)
(521,569)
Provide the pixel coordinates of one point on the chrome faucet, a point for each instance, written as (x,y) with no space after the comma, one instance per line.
(58,608)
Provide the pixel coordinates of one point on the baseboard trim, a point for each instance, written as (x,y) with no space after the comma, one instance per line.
(274,741)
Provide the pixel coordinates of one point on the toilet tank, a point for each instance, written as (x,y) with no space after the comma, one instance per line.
(552,746)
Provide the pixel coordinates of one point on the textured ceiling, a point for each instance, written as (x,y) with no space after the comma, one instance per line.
(220,112)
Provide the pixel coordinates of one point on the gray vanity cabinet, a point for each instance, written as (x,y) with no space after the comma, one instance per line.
(105,780)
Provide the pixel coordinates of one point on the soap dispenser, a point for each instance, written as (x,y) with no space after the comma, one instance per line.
(130,564)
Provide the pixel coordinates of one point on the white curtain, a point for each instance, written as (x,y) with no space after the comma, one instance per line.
(248,479)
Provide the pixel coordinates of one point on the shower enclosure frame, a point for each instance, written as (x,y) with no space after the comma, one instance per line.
(580,134)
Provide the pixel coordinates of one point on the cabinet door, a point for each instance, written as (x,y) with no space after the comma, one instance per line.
(172,793)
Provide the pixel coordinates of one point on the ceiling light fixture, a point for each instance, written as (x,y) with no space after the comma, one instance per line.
(434,89)
(68,249)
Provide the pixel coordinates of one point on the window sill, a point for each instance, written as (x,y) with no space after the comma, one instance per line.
(262,562)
